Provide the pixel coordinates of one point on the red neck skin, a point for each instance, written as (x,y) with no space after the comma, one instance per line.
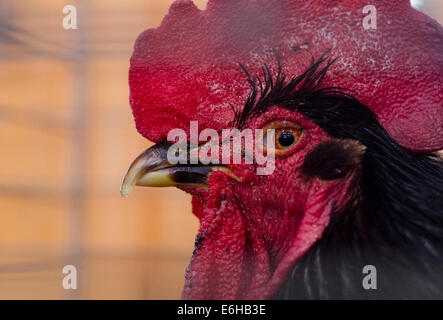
(248,242)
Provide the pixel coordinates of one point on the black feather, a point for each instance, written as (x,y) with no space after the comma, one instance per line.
(394,222)
(332,160)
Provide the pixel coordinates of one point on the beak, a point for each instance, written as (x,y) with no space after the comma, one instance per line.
(152,169)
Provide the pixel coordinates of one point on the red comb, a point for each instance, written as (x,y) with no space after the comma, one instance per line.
(188,68)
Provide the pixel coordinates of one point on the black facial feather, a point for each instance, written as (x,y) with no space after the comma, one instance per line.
(269,92)
(395,223)
(332,159)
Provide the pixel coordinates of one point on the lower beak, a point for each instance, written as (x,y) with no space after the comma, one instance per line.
(152,169)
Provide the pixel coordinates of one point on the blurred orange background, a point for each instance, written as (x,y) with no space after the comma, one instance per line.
(66,139)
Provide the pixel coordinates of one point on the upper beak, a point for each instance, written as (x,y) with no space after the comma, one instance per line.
(151,168)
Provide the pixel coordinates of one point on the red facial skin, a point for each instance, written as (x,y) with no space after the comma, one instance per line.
(250,240)
(187,69)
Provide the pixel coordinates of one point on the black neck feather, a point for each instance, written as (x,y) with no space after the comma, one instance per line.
(395,222)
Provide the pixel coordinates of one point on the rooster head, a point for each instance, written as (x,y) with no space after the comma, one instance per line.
(265,65)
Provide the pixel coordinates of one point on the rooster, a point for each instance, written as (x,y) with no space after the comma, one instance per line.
(357,116)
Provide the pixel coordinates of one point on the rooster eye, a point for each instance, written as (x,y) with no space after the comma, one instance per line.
(287,135)
(286,138)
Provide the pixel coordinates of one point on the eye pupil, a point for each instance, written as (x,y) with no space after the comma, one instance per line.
(285,139)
